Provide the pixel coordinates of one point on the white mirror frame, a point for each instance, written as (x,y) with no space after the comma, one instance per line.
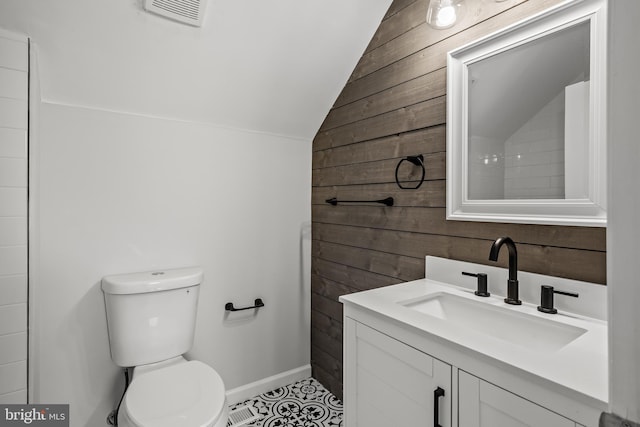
(585,212)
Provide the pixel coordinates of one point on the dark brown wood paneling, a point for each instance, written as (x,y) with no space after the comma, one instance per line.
(423,141)
(420,89)
(393,106)
(392,265)
(326,362)
(402,16)
(421,36)
(433,221)
(353,277)
(329,289)
(563,262)
(429,59)
(412,117)
(327,343)
(332,384)
(396,7)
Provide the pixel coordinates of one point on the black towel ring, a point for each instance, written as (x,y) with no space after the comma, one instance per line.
(416,160)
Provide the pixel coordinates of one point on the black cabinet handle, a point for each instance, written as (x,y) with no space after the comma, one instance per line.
(437,394)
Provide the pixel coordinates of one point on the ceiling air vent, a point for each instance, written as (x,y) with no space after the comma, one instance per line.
(187,11)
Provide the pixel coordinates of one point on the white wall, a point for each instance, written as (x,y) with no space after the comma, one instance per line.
(14,60)
(122,193)
(164,145)
(623,232)
(534,155)
(486,168)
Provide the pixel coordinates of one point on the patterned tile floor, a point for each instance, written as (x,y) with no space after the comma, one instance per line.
(305,403)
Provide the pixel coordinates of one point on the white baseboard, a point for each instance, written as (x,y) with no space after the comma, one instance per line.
(250,390)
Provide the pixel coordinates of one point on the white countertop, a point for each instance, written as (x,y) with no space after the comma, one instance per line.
(581,366)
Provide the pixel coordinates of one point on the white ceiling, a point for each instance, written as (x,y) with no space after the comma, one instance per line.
(271,66)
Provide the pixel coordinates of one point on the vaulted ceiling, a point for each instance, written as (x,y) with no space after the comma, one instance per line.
(270,66)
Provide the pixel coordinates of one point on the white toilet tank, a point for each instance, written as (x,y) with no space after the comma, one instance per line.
(151,316)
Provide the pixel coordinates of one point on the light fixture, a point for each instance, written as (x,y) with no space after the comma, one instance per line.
(443,14)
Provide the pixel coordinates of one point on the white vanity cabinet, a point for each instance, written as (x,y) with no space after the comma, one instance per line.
(404,342)
(481,404)
(389,383)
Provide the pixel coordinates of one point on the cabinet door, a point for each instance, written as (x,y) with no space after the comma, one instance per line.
(482,404)
(388,383)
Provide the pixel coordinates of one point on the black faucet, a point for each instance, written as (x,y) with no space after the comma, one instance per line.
(512,283)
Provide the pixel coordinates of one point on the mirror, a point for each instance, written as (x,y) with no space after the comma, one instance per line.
(525,125)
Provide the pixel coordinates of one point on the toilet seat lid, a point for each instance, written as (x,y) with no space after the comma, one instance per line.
(189,394)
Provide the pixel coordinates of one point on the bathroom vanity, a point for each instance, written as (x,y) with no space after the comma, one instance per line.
(431,352)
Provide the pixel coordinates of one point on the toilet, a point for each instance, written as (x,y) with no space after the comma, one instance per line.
(151,319)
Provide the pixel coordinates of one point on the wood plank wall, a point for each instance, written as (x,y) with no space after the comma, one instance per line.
(394,106)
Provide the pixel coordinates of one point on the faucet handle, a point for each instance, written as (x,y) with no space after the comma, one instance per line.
(482,283)
(546,298)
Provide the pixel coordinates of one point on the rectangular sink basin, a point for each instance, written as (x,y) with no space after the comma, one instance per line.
(517,328)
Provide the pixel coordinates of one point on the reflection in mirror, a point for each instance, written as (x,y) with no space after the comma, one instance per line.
(526,121)
(528,112)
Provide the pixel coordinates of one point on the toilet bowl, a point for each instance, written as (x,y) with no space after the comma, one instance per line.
(151,322)
(177,393)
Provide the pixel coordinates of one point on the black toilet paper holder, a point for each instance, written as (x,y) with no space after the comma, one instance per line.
(256,304)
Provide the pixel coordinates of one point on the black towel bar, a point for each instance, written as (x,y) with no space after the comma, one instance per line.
(388,201)
(257,304)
